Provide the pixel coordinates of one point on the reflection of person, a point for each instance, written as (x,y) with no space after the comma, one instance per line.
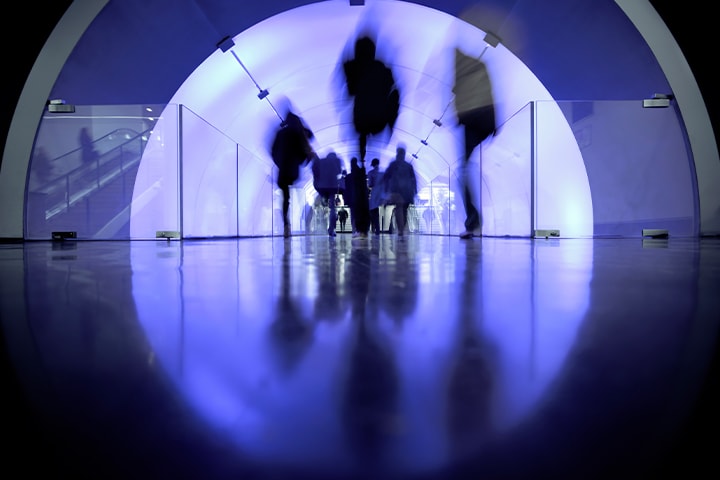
(326,173)
(290,150)
(342,216)
(308,215)
(374,177)
(376,98)
(474,106)
(41,167)
(400,185)
(471,375)
(89,154)
(370,409)
(291,334)
(330,303)
(400,283)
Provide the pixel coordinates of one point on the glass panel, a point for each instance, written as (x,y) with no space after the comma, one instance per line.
(209,180)
(437,205)
(600,169)
(506,178)
(83,170)
(259,199)
(629,169)
(156,195)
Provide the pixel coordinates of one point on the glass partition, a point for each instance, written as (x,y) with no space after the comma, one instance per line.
(83,169)
(586,169)
(506,175)
(628,169)
(156,205)
(435,208)
(209,179)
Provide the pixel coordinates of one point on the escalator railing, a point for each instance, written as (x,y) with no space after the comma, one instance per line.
(79,178)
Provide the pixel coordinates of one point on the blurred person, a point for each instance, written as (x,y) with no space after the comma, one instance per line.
(475,110)
(372,86)
(87,146)
(290,150)
(41,168)
(400,184)
(327,172)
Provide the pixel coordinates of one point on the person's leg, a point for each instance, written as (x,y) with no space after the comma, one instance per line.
(472,216)
(285,209)
(472,212)
(362,208)
(375,220)
(333,215)
(400,218)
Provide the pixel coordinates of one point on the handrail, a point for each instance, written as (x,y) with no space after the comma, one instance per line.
(114,163)
(107,136)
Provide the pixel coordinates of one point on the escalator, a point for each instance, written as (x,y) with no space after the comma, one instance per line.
(89,191)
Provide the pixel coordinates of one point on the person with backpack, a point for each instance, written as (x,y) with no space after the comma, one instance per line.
(290,150)
(376,97)
(327,172)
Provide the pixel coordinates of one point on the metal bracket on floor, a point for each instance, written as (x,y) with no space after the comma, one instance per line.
(547,233)
(167,234)
(64,235)
(655,232)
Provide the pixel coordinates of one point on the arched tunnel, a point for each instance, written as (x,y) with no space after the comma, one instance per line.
(574,151)
(156,322)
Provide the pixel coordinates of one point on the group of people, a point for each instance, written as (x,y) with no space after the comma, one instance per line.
(363,192)
(376,103)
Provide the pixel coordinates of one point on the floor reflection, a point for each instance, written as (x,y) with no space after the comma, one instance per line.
(316,357)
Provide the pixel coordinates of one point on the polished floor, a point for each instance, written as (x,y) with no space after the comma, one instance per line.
(424,357)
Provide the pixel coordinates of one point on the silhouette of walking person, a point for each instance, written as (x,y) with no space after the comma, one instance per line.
(475,109)
(342,216)
(89,154)
(290,150)
(400,183)
(327,171)
(376,98)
